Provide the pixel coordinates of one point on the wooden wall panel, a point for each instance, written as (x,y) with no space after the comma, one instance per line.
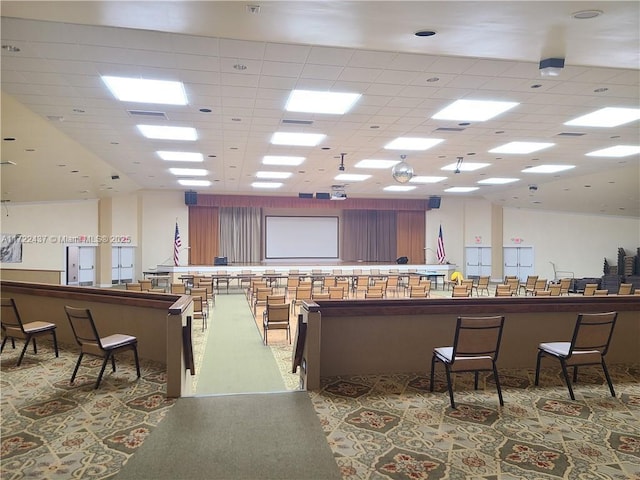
(410,235)
(204,237)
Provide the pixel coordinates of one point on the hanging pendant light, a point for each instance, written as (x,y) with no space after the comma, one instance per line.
(402,172)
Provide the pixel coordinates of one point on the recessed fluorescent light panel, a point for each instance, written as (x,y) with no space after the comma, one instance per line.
(181,156)
(606,117)
(146,91)
(473,110)
(297,139)
(465,166)
(408,143)
(168,133)
(273,175)
(282,160)
(617,151)
(266,184)
(497,181)
(351,177)
(381,164)
(548,168)
(321,102)
(426,179)
(194,183)
(399,188)
(188,172)
(461,189)
(521,147)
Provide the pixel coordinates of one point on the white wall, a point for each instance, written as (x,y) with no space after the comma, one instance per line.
(158,214)
(574,242)
(55,223)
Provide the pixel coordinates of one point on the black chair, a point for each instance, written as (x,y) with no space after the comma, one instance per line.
(588,346)
(475,349)
(13,327)
(91,343)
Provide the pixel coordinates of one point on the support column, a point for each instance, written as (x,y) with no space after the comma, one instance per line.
(497,254)
(104,249)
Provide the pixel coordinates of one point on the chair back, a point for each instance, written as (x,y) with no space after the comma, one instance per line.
(513,284)
(178,288)
(373,293)
(336,292)
(133,286)
(625,289)
(531,281)
(145,285)
(303,293)
(503,291)
(542,293)
(460,291)
(600,292)
(321,296)
(273,299)
(477,342)
(277,313)
(199,292)
(467,283)
(565,284)
(555,290)
(589,289)
(417,291)
(592,332)
(483,282)
(197,304)
(9,316)
(84,329)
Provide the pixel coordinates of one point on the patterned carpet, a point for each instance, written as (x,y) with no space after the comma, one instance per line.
(379,427)
(391,427)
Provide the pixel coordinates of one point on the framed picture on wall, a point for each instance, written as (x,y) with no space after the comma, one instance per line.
(11,251)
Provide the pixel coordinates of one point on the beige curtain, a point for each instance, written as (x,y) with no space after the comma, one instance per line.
(240,234)
(369,236)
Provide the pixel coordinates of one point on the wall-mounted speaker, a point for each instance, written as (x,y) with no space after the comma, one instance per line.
(434,202)
(190,198)
(305,195)
(323,196)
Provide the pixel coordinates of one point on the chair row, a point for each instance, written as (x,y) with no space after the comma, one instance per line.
(476,345)
(84,330)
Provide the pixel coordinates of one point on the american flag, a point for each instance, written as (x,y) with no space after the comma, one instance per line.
(440,252)
(177,243)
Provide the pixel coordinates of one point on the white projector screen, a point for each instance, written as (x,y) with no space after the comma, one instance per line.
(301,237)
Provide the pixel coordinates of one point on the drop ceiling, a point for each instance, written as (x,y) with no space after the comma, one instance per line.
(71,136)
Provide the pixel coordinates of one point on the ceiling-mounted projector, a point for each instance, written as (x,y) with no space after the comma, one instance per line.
(338,196)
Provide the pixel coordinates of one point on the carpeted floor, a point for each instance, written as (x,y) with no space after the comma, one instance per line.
(262,436)
(377,427)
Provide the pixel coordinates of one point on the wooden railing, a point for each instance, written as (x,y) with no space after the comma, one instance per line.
(156,319)
(397,335)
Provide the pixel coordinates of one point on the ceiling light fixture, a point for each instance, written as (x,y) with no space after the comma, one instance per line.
(551,67)
(402,172)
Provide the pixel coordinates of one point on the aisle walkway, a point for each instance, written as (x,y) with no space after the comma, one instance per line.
(235,359)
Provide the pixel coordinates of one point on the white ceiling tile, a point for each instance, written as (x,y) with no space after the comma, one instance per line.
(283,83)
(278,52)
(281,69)
(322,72)
(330,56)
(241,49)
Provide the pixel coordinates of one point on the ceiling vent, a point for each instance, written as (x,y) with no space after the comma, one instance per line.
(449,129)
(298,122)
(147,114)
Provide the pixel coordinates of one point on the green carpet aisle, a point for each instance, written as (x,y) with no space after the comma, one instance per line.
(266,437)
(234,359)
